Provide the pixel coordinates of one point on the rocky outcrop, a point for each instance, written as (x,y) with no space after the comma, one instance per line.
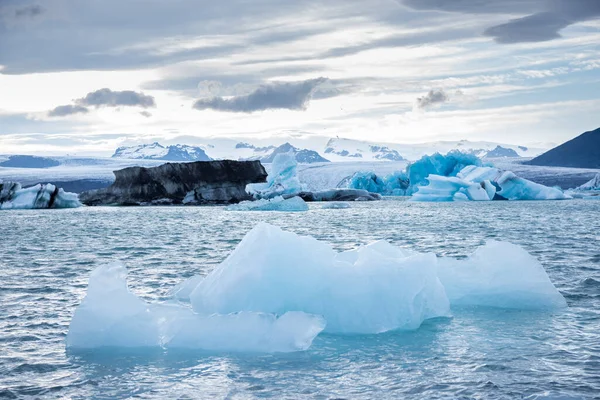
(340,195)
(202,182)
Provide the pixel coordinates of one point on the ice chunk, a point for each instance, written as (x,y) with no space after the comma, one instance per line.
(13,196)
(449,165)
(340,195)
(500,275)
(373,289)
(405,183)
(275,204)
(334,205)
(593,184)
(111,316)
(483,184)
(282,178)
(515,188)
(395,184)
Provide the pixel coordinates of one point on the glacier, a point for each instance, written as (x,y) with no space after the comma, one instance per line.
(281,180)
(278,203)
(484,184)
(372,289)
(111,316)
(14,197)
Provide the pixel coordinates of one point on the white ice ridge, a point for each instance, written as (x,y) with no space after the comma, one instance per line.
(282,179)
(13,196)
(275,204)
(374,288)
(484,184)
(112,316)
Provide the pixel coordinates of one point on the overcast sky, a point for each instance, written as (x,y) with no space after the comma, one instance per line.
(87,76)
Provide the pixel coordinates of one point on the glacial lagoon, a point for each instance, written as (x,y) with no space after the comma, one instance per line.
(477,352)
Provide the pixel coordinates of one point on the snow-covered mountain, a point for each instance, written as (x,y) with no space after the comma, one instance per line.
(361,150)
(501,152)
(339,149)
(303,156)
(155,151)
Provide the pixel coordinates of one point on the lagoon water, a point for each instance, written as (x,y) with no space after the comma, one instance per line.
(46,257)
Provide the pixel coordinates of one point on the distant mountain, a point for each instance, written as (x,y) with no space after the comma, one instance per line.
(22,161)
(303,156)
(243,145)
(502,152)
(155,151)
(364,150)
(581,152)
(339,149)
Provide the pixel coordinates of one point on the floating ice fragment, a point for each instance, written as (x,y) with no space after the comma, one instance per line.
(484,184)
(282,178)
(334,205)
(13,196)
(275,204)
(111,316)
(499,275)
(373,289)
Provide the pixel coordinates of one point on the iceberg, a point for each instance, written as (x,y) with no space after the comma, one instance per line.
(372,289)
(335,205)
(449,165)
(375,288)
(13,196)
(395,184)
(501,275)
(274,204)
(110,315)
(484,184)
(593,184)
(405,183)
(282,180)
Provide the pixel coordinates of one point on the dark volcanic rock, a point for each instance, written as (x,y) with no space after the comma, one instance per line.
(340,195)
(581,152)
(201,182)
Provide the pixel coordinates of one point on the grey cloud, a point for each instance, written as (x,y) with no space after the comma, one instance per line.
(432,98)
(63,111)
(542,19)
(145,114)
(110,98)
(280,95)
(29,12)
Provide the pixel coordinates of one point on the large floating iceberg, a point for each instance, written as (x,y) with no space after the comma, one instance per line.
(282,179)
(275,204)
(484,184)
(277,291)
(13,196)
(111,316)
(374,288)
(404,183)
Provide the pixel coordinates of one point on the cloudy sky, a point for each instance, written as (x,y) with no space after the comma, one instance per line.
(87,76)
